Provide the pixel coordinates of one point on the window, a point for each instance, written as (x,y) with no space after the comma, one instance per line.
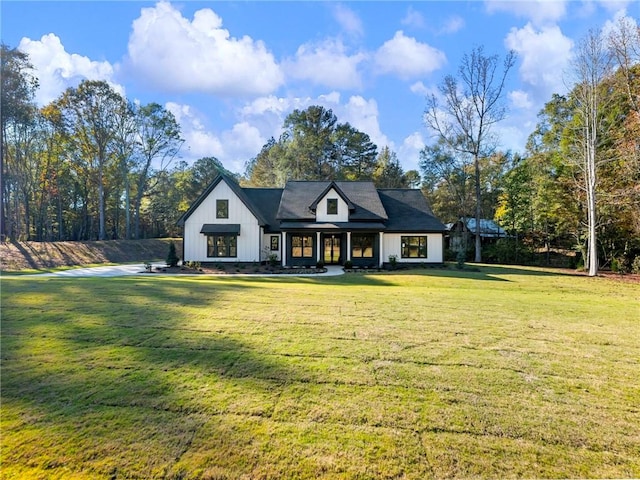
(332,206)
(302,246)
(222,208)
(414,247)
(362,246)
(275,243)
(224,245)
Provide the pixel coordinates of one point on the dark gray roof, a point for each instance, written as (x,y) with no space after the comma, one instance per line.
(220,228)
(409,211)
(299,196)
(266,200)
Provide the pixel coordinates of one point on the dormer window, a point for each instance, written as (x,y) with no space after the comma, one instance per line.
(332,206)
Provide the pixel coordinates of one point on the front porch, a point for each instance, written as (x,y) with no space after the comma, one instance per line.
(360,248)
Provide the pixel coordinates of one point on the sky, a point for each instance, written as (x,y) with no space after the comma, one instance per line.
(231,71)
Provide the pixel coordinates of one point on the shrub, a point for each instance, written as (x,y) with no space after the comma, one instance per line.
(273,259)
(393,260)
(172,257)
(635,265)
(320,264)
(348,264)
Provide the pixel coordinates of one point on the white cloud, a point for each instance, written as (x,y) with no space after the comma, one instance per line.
(407,58)
(520,99)
(409,151)
(58,70)
(413,18)
(421,89)
(544,55)
(348,20)
(172,53)
(540,12)
(363,115)
(327,64)
(452,25)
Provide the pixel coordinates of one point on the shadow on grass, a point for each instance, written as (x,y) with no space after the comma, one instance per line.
(76,353)
(485,272)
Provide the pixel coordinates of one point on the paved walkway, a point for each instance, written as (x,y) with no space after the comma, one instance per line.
(138,269)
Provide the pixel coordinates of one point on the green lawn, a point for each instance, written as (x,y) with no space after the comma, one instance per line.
(503,372)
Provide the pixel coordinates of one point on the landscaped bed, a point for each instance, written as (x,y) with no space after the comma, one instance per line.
(499,372)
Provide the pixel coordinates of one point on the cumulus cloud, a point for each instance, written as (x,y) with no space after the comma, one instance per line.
(406,57)
(544,55)
(173,53)
(326,63)
(58,69)
(348,20)
(539,12)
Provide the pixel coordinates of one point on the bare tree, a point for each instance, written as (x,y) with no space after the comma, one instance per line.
(470,105)
(591,66)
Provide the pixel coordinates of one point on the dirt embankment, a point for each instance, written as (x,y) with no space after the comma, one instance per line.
(16,256)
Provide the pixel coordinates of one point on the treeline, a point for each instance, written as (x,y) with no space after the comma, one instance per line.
(93,165)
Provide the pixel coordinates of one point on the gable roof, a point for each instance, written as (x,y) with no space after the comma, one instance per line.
(266,200)
(299,196)
(237,189)
(409,211)
(332,186)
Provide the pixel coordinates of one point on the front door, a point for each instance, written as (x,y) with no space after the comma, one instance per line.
(332,249)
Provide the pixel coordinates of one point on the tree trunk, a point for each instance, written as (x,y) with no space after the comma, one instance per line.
(478,257)
(102,224)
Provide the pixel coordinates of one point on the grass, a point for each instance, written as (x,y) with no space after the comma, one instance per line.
(504,372)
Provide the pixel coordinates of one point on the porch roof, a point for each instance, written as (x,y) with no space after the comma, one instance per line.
(376,226)
(220,228)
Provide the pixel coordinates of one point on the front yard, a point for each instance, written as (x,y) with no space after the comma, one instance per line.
(503,372)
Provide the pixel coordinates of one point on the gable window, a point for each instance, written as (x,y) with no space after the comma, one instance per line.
(222,208)
(332,206)
(225,245)
(302,246)
(414,247)
(362,246)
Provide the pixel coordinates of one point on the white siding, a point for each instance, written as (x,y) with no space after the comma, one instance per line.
(435,251)
(321,211)
(266,246)
(195,243)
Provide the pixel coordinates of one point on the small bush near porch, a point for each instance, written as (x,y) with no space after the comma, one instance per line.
(500,372)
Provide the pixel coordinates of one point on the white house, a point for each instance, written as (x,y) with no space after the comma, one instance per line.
(309,222)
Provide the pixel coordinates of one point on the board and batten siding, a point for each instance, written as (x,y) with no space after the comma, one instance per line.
(195,243)
(393,246)
(321,210)
(266,246)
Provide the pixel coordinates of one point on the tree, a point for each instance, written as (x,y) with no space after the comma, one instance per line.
(90,114)
(310,132)
(17,117)
(388,172)
(468,109)
(448,179)
(158,140)
(354,154)
(591,67)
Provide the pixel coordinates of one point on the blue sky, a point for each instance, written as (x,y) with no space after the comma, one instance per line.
(231,71)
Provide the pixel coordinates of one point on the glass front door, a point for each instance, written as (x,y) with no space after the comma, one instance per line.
(331,249)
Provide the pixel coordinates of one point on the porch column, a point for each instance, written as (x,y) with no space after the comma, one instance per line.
(348,246)
(381,259)
(283,246)
(319,252)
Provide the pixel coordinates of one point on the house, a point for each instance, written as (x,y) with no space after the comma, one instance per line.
(463,232)
(307,222)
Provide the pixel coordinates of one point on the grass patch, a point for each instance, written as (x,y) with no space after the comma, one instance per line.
(503,372)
